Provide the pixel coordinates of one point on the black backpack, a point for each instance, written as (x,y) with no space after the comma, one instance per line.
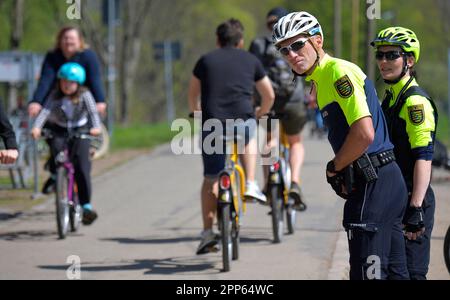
(440,155)
(277,68)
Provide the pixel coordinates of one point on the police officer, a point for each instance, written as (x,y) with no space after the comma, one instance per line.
(412,120)
(363,170)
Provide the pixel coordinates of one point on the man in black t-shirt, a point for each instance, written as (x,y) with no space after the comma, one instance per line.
(225,79)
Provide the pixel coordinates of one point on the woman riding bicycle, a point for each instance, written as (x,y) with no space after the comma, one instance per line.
(412,121)
(71,108)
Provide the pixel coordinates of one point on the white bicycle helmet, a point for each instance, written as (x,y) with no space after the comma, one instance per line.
(294,24)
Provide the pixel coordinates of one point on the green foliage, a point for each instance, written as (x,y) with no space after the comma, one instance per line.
(193,23)
(141,136)
(40,23)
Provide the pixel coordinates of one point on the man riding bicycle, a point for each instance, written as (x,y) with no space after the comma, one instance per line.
(225,79)
(288,103)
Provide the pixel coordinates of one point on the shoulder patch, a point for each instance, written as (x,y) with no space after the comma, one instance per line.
(344,87)
(416,114)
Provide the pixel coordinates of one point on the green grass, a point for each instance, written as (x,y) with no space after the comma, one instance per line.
(141,136)
(443,132)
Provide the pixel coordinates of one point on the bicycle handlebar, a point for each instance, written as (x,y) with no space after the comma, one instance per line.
(82,134)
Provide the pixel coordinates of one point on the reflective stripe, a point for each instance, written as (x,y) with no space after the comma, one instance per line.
(364,203)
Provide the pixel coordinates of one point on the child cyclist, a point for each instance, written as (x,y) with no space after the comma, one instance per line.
(71,107)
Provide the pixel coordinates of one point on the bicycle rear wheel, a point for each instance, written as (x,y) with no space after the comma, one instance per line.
(277,213)
(235,219)
(225,230)
(447,249)
(62,202)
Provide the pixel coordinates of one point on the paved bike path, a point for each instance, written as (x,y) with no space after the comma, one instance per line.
(150,222)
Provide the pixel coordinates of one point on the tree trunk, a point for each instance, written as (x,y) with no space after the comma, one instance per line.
(17,25)
(15,39)
(134,17)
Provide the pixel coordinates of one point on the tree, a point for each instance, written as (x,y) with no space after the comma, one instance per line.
(134,13)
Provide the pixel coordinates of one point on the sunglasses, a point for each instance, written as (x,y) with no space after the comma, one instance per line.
(295,47)
(390,55)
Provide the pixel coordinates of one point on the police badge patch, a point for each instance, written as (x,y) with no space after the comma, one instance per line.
(416,114)
(344,87)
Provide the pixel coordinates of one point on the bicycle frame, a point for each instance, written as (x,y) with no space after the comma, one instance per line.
(231,191)
(231,165)
(278,186)
(68,209)
(278,175)
(63,159)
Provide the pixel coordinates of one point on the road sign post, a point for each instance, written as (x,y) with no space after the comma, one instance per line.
(168,51)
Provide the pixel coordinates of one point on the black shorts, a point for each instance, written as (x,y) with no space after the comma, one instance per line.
(294,118)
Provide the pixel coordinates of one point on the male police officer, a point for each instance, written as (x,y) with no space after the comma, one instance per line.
(364,170)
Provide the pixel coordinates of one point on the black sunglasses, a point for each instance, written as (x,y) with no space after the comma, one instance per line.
(390,55)
(295,46)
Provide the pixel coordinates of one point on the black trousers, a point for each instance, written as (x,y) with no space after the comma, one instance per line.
(418,251)
(373,220)
(80,158)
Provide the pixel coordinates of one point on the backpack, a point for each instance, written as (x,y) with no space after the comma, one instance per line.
(276,67)
(440,155)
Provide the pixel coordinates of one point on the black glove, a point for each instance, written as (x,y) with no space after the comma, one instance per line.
(337,181)
(413,219)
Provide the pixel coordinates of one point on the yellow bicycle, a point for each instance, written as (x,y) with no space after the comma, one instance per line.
(279,182)
(231,203)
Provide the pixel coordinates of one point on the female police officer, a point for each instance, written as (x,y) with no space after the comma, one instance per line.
(412,118)
(376,197)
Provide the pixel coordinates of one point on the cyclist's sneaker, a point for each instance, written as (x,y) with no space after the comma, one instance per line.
(296,194)
(252,192)
(89,215)
(49,185)
(209,242)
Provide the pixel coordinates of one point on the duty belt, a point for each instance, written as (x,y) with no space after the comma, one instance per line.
(382,158)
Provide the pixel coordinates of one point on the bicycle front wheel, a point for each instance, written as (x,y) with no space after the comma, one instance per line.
(62,202)
(447,249)
(225,230)
(75,211)
(277,213)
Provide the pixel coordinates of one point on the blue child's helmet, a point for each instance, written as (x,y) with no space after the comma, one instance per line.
(73,72)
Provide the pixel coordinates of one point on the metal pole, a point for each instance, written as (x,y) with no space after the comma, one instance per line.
(169,84)
(111,64)
(31,149)
(370,56)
